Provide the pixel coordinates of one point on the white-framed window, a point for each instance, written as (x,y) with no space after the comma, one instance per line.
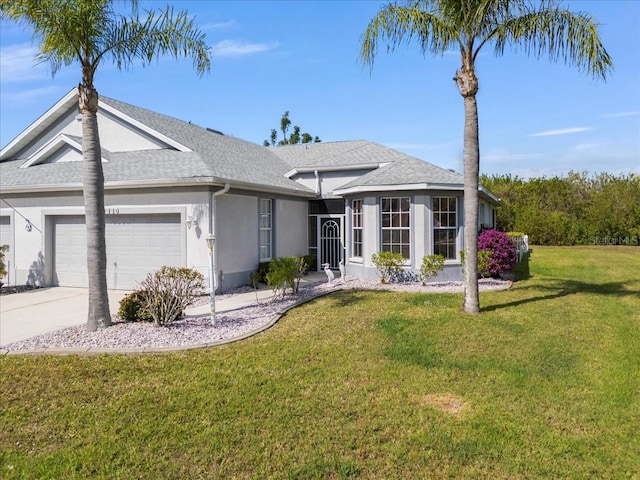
(395,225)
(445,227)
(265,222)
(356,228)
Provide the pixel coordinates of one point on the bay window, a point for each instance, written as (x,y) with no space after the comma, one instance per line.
(395,224)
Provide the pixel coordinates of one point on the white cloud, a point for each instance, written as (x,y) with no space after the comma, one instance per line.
(620,114)
(219,25)
(561,131)
(29,95)
(18,64)
(234,48)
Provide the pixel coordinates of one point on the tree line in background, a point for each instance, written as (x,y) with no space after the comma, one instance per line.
(289,139)
(577,209)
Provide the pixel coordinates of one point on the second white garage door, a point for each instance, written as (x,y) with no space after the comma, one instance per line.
(136,246)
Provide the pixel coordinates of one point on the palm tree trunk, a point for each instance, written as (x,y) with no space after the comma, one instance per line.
(471,302)
(98,315)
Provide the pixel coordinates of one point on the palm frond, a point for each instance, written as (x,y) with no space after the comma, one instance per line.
(417,20)
(559,34)
(160,33)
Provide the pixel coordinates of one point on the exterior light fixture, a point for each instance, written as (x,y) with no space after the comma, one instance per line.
(191,222)
(211,240)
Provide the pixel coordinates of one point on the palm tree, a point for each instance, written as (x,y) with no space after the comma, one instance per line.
(540,28)
(91,32)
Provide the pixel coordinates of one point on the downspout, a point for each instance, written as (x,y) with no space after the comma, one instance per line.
(212,225)
(315,172)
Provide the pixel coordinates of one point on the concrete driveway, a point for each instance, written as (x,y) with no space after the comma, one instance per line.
(28,314)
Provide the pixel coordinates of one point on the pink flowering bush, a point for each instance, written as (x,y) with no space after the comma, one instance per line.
(502,251)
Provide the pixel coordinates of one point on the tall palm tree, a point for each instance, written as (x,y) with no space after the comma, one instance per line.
(540,28)
(91,32)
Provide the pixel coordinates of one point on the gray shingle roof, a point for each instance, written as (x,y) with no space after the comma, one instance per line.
(217,157)
(328,154)
(407,171)
(398,168)
(224,158)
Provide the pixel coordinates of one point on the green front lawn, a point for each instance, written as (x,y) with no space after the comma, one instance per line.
(544,383)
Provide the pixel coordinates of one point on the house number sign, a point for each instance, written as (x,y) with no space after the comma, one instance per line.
(111,211)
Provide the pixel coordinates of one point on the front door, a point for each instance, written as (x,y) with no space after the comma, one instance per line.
(330,241)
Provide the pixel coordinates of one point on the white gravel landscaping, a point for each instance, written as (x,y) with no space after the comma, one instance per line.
(194,331)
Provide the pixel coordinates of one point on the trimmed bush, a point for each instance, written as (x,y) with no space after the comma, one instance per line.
(388,264)
(169,291)
(132,308)
(309,261)
(263,269)
(483,263)
(282,274)
(502,252)
(431,265)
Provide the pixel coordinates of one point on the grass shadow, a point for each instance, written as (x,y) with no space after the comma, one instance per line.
(559,288)
(521,271)
(346,298)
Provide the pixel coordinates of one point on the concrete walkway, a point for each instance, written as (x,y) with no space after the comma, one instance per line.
(36,312)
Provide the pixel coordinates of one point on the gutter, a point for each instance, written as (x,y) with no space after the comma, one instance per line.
(334,168)
(128,184)
(212,224)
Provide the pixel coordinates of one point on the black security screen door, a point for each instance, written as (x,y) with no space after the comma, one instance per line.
(330,242)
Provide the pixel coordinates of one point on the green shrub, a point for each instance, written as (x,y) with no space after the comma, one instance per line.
(282,274)
(132,308)
(3,265)
(388,264)
(483,262)
(309,261)
(263,269)
(303,269)
(169,291)
(431,265)
(254,280)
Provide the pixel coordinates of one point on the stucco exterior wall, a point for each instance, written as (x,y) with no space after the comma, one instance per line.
(329,181)
(290,228)
(236,239)
(32,250)
(116,136)
(67,124)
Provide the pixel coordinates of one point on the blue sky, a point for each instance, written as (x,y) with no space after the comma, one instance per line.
(536,118)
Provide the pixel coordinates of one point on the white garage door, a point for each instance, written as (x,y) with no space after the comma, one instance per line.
(136,246)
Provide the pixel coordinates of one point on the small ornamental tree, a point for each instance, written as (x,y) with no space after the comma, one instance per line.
(502,252)
(388,264)
(167,292)
(431,265)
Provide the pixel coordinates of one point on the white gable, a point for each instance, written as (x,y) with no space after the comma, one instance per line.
(61,148)
(57,135)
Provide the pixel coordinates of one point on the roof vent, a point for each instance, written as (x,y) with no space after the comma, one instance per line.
(214,131)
